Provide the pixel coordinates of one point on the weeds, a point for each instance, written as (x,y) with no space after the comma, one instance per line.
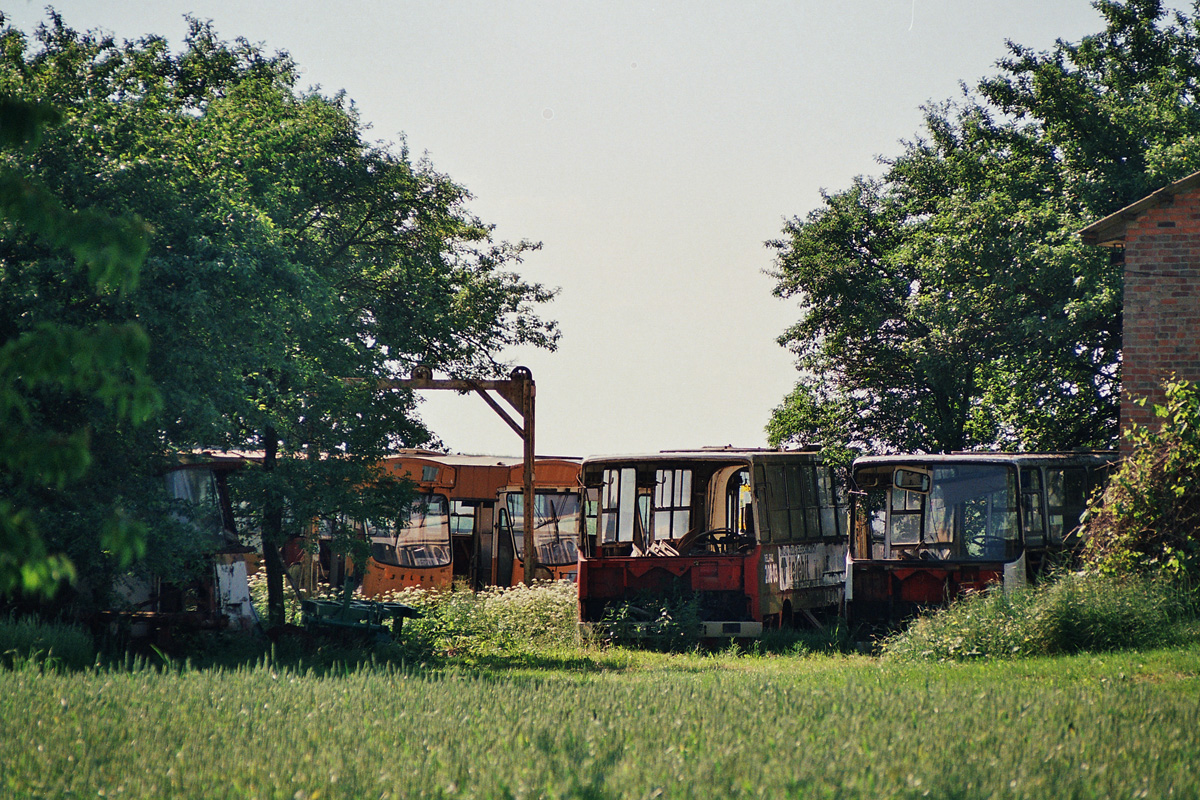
(671,623)
(1148,517)
(468,625)
(1075,612)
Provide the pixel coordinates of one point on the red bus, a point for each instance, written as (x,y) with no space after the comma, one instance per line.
(753,537)
(929,528)
(466,523)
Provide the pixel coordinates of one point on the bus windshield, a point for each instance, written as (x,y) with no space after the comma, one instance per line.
(555,526)
(961,512)
(423,542)
(198,487)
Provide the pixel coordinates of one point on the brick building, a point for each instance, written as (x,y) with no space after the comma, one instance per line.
(1160,235)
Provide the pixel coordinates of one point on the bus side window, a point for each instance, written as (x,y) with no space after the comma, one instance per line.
(1066,493)
(762,502)
(795,500)
(1032,514)
(829,511)
(812,502)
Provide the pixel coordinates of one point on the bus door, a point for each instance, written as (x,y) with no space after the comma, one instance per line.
(502,571)
(485,545)
(462,539)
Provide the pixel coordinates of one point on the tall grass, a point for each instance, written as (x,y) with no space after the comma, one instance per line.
(49,644)
(669,726)
(1075,612)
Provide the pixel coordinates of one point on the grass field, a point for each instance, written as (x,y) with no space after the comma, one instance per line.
(613,723)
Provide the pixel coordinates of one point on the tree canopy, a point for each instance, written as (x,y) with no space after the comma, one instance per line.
(292,266)
(949,303)
(103,364)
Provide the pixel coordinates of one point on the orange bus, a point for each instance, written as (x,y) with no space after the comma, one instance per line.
(467,523)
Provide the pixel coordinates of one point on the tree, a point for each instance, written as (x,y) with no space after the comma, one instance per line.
(293,268)
(103,365)
(949,304)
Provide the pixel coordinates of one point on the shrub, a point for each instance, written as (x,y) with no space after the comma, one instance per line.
(672,623)
(1148,517)
(495,621)
(1069,613)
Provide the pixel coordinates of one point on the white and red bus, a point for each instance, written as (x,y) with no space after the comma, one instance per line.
(754,538)
(929,528)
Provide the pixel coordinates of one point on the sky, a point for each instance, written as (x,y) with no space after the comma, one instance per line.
(652,148)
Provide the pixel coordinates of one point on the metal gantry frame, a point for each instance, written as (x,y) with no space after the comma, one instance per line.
(518,391)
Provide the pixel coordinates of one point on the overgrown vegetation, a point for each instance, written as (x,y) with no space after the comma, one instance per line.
(458,625)
(1072,613)
(497,622)
(1148,520)
(666,622)
(30,640)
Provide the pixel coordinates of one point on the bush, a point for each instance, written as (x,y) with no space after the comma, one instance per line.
(670,623)
(54,644)
(1148,517)
(495,621)
(1069,613)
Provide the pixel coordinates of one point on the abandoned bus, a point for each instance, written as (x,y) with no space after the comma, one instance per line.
(928,528)
(467,523)
(216,596)
(752,537)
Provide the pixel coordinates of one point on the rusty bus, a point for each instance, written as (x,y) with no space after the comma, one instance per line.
(753,538)
(929,528)
(467,523)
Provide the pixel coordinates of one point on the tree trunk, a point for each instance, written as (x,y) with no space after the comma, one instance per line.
(272,531)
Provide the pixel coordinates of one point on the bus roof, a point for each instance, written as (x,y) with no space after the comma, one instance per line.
(712,454)
(1079,457)
(479,477)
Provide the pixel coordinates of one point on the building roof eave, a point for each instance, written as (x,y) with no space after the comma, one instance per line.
(1110,231)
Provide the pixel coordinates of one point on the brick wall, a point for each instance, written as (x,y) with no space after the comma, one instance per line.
(1162,303)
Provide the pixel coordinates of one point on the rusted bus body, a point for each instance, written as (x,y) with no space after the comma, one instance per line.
(929,528)
(465,523)
(755,537)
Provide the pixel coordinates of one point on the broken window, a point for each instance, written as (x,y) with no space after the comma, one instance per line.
(672,503)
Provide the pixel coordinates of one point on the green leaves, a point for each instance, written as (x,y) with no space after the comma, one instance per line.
(1148,517)
(105,362)
(123,540)
(24,563)
(949,304)
(289,265)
